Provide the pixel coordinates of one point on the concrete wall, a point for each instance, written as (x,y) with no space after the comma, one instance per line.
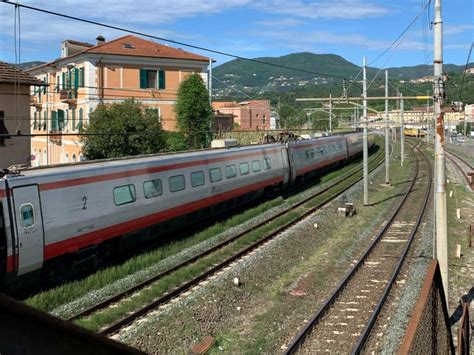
(16,110)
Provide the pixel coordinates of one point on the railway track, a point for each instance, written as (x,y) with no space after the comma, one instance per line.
(462,165)
(315,201)
(344,322)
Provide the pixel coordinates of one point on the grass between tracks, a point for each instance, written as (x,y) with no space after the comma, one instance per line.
(49,300)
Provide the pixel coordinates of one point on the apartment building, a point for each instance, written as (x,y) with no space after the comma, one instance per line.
(253,114)
(87,75)
(15,116)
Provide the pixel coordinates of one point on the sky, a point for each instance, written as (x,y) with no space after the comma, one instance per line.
(249,28)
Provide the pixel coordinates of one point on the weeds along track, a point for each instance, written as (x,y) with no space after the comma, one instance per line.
(344,322)
(227,252)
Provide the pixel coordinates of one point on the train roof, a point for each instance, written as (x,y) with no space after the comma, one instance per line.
(126,162)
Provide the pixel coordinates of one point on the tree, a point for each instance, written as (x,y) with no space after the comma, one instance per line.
(193,112)
(291,117)
(127,117)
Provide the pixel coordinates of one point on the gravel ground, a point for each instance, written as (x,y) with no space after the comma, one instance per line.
(95,296)
(466,150)
(280,282)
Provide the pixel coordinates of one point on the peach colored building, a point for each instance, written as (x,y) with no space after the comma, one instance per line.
(15,115)
(253,114)
(87,75)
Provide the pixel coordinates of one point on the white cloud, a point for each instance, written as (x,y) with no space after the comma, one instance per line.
(282,22)
(457,29)
(345,9)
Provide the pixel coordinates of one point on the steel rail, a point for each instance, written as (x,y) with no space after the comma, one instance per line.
(301,336)
(135,288)
(206,274)
(370,324)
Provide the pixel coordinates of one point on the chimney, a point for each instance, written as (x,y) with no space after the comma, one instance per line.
(100,40)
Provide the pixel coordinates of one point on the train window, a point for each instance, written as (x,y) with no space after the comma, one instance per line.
(27,215)
(152,188)
(176,183)
(230,171)
(267,163)
(124,194)
(215,174)
(244,168)
(256,166)
(197,178)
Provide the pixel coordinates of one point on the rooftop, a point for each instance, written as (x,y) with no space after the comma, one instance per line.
(9,74)
(134,46)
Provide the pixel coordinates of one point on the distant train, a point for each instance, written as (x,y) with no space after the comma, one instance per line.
(414,132)
(59,217)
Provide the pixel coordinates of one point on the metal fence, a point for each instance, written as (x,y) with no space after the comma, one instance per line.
(429,329)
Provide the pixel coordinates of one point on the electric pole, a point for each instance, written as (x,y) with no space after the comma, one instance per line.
(365,143)
(387,154)
(428,120)
(440,159)
(402,133)
(330,114)
(210,81)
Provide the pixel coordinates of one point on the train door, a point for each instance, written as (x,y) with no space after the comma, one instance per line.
(29,228)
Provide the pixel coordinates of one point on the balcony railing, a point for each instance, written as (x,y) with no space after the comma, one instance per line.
(55,136)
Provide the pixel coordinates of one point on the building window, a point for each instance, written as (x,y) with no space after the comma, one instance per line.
(152,79)
(124,194)
(73,118)
(176,183)
(79,122)
(74,158)
(35,119)
(197,178)
(67,157)
(27,215)
(152,188)
(45,120)
(81,77)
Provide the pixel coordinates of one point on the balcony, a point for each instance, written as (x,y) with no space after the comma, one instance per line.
(69,96)
(55,136)
(34,102)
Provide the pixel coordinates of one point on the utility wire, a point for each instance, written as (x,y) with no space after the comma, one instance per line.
(465,70)
(401,34)
(166,39)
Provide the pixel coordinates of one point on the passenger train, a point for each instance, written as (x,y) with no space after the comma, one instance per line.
(73,213)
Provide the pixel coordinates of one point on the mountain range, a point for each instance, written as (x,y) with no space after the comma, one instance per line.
(258,77)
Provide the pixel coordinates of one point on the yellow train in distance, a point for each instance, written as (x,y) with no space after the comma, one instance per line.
(414,132)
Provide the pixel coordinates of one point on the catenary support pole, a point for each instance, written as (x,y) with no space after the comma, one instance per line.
(365,143)
(440,159)
(402,132)
(387,128)
(428,119)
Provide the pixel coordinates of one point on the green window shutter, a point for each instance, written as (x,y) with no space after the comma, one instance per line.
(45,119)
(64,80)
(79,122)
(81,77)
(69,79)
(143,79)
(34,120)
(161,79)
(60,119)
(76,78)
(54,120)
(45,87)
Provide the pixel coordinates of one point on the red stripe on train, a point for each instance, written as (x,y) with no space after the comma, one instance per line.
(10,263)
(151,170)
(96,237)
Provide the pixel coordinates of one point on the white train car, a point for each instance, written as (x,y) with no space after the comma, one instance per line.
(311,155)
(69,210)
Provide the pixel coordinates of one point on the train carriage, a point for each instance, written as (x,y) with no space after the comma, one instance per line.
(60,211)
(80,213)
(311,155)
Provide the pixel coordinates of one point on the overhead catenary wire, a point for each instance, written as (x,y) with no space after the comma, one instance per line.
(139,33)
